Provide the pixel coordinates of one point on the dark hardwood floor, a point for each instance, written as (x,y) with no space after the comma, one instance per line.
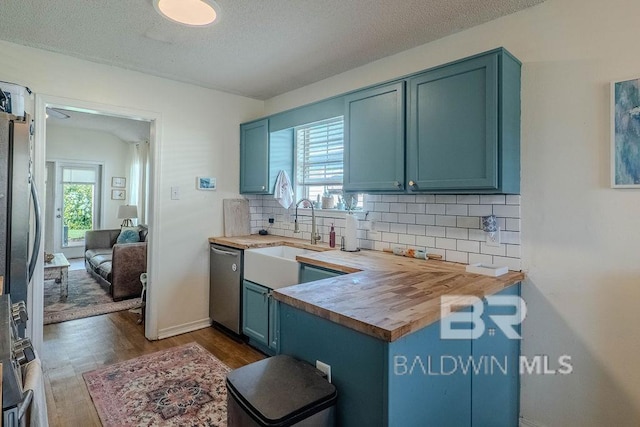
(72,348)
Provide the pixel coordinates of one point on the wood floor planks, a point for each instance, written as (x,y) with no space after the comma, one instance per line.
(72,348)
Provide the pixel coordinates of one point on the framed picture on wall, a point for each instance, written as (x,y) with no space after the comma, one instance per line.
(205,183)
(625,134)
(118,194)
(118,181)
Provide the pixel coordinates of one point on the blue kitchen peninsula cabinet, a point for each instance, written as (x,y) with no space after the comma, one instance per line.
(374,124)
(463,126)
(309,273)
(419,379)
(260,317)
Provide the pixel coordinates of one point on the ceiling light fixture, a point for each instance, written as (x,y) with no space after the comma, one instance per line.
(193,13)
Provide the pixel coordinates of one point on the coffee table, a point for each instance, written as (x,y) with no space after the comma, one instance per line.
(58,269)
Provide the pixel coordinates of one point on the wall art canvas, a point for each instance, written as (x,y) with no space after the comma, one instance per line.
(206,183)
(625,134)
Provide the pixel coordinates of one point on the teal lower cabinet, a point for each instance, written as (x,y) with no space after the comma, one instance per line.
(417,380)
(311,274)
(260,317)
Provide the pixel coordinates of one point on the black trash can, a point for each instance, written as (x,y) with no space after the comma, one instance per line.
(279,391)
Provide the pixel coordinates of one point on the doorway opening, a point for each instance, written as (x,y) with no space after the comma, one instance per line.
(95,163)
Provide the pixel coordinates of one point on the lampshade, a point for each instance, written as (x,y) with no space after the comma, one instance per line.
(127,212)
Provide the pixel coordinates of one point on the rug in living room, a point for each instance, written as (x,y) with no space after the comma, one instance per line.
(86,298)
(181,386)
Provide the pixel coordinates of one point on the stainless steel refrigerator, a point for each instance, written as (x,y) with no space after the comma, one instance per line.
(19,206)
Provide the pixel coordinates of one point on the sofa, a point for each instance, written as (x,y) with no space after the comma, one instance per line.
(116,266)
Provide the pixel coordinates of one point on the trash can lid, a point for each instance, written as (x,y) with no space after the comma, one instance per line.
(281,389)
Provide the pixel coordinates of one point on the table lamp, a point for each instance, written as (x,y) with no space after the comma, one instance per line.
(127,213)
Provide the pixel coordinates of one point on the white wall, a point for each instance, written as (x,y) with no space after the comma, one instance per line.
(199,136)
(579,237)
(66,143)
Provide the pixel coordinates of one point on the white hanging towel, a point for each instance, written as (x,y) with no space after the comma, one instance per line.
(283,192)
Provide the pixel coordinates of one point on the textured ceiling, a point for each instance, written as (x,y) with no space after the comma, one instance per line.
(126,129)
(259,48)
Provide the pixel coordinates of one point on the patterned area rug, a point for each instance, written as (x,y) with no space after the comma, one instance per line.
(86,298)
(181,386)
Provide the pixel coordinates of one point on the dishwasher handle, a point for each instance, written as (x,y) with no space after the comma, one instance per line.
(219,252)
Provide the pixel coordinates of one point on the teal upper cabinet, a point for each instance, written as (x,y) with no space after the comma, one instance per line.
(374,139)
(464,127)
(254,157)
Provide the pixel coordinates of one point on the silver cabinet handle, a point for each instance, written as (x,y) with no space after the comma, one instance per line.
(412,184)
(263,188)
(397,184)
(219,252)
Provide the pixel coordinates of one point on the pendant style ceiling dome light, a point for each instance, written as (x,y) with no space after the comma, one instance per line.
(193,13)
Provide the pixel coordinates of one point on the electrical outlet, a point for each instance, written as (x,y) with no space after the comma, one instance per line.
(271,220)
(324,368)
(493,239)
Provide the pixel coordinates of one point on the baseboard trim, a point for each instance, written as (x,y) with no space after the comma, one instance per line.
(184,328)
(528,423)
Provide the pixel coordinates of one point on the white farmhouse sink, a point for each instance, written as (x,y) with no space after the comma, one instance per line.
(274,266)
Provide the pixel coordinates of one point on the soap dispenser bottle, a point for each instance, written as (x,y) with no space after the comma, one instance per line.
(332,237)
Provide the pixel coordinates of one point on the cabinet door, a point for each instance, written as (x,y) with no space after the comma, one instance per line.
(453,127)
(374,126)
(311,274)
(254,157)
(274,324)
(255,312)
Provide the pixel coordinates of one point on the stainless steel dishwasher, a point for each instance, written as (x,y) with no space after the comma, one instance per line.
(225,286)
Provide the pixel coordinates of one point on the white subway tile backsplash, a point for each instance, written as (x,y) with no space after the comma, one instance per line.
(480,258)
(512,224)
(416,208)
(426,219)
(457,210)
(407,239)
(398,207)
(397,228)
(382,207)
(390,217)
(468,199)
(445,198)
(426,241)
(493,199)
(513,199)
(390,237)
(513,251)
(448,225)
(442,243)
(468,222)
(435,209)
(446,221)
(455,256)
(426,198)
(416,230)
(457,233)
(507,211)
(480,210)
(468,246)
(407,218)
(434,231)
(493,250)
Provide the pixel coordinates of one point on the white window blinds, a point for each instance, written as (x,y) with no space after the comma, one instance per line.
(320,149)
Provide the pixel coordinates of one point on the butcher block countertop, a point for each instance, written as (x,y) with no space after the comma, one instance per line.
(382,295)
(258,241)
